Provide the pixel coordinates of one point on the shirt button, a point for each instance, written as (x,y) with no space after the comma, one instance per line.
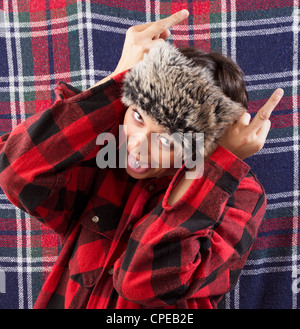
(111,271)
(151,187)
(95,219)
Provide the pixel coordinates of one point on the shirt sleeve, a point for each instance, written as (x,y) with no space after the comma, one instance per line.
(197,247)
(47,163)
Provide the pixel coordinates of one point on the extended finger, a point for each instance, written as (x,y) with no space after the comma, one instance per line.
(141,27)
(263,133)
(158,27)
(265,112)
(264,129)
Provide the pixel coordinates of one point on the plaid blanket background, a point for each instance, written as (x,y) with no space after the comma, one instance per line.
(80,42)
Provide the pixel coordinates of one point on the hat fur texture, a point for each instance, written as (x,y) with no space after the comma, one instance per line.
(180,96)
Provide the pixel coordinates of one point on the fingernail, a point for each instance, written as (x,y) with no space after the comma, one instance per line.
(279,92)
(184,13)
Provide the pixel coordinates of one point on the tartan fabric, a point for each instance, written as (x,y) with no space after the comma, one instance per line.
(123,245)
(79,42)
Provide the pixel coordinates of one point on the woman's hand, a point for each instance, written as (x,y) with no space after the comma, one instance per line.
(245,138)
(141,38)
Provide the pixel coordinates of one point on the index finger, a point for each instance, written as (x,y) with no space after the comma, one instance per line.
(162,25)
(265,112)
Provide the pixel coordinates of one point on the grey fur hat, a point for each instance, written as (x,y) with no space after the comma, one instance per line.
(179,95)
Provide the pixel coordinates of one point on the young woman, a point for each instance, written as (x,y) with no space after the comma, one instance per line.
(141,237)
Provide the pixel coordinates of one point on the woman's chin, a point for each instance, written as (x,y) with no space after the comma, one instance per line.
(138,175)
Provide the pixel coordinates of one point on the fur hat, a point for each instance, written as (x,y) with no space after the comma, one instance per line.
(180,95)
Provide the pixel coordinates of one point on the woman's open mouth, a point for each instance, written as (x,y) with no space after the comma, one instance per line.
(136,166)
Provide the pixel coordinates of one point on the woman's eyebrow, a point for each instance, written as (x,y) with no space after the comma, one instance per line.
(163,130)
(143,114)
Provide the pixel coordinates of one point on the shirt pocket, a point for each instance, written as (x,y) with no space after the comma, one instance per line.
(103,219)
(87,261)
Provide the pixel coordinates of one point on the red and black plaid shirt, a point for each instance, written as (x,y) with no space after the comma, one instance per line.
(123,245)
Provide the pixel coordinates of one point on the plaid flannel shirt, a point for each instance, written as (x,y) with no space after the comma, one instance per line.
(123,245)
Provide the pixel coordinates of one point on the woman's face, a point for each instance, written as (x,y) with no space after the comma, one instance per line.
(150,149)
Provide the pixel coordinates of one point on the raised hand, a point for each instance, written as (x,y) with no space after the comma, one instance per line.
(141,38)
(245,138)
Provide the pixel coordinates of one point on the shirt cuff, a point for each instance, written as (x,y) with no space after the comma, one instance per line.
(64,90)
(118,78)
(222,168)
(229,162)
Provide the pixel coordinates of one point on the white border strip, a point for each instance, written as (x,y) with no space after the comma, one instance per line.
(295,270)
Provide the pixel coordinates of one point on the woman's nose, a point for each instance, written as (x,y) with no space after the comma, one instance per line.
(133,143)
(138,142)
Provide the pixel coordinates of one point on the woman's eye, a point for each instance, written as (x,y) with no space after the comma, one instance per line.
(137,116)
(164,141)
